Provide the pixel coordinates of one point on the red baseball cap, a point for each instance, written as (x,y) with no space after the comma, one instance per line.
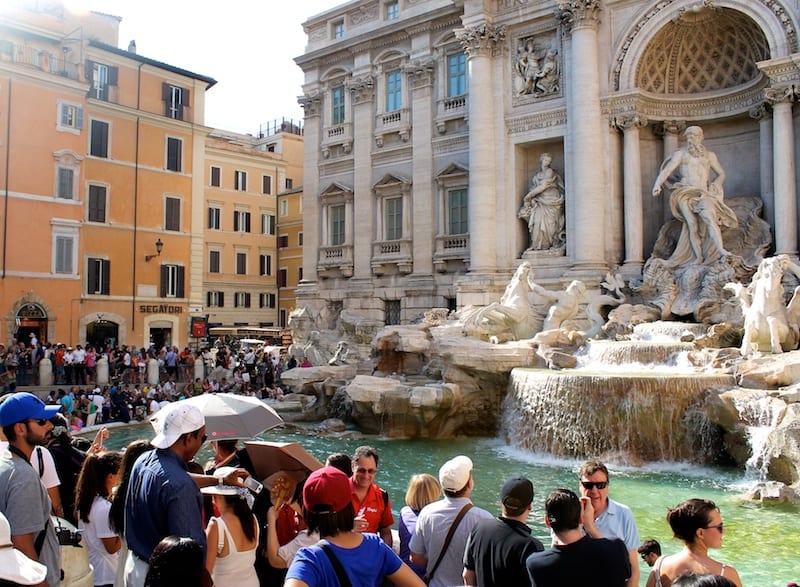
(327,490)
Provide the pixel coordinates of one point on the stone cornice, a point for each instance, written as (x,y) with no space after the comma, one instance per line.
(535,121)
(577,14)
(695,107)
(781,72)
(484,39)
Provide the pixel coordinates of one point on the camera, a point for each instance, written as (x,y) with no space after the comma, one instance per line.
(67,537)
(253,485)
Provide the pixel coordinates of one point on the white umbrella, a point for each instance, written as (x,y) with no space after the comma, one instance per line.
(230,416)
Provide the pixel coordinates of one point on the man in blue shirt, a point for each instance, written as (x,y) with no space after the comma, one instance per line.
(163,499)
(606,518)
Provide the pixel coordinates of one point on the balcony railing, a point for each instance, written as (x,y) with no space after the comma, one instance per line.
(397,121)
(337,134)
(449,247)
(43,60)
(450,109)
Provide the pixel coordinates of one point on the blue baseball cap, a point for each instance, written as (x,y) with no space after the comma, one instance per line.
(22,406)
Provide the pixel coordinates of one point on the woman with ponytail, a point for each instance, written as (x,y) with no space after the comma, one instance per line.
(93,492)
(232,538)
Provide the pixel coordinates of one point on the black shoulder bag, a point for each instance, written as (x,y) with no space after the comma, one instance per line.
(341,574)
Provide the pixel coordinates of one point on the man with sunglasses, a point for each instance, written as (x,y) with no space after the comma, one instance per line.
(605,518)
(163,499)
(370,502)
(23,499)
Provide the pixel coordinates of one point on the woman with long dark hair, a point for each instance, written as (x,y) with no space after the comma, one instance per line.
(699,524)
(232,539)
(96,481)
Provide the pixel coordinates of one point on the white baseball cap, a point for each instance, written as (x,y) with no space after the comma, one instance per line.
(14,565)
(454,474)
(173,420)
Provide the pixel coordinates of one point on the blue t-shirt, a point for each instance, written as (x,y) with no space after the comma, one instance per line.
(366,565)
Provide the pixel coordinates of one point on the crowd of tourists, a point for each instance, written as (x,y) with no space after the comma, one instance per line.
(150,515)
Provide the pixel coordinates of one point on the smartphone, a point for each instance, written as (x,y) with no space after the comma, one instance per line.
(253,485)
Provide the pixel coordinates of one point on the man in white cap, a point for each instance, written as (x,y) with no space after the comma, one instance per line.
(163,499)
(15,567)
(444,526)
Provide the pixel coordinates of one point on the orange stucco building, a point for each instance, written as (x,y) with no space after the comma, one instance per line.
(102,176)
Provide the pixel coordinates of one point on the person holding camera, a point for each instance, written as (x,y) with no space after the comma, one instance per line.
(23,500)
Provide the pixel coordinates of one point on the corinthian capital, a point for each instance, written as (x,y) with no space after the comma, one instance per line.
(627,121)
(362,88)
(575,14)
(484,39)
(311,103)
(777,95)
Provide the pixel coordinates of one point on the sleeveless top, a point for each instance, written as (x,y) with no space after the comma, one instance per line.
(237,568)
(657,571)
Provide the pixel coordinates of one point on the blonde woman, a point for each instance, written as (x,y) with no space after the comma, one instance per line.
(699,524)
(232,539)
(422,490)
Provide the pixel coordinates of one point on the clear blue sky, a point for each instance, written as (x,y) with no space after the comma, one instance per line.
(248,46)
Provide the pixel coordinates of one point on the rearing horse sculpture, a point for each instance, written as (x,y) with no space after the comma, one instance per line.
(768,322)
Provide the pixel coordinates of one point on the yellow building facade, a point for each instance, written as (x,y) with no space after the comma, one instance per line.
(102,178)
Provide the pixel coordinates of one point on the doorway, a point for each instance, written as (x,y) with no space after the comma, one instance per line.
(102,333)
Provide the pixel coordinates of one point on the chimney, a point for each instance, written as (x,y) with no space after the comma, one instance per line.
(132,46)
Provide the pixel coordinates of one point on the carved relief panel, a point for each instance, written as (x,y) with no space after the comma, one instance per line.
(536,68)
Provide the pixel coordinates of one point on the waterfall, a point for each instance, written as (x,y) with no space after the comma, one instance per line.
(650,416)
(760,415)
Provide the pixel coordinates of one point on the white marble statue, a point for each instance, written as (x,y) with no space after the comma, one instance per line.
(543,207)
(697,201)
(769,324)
(539,73)
(565,304)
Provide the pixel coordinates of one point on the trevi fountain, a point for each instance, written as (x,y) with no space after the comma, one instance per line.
(694,362)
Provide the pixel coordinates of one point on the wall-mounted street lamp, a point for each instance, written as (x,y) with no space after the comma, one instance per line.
(159,246)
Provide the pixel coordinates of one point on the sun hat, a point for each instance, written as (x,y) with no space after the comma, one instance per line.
(173,420)
(327,490)
(22,406)
(454,474)
(14,565)
(220,490)
(517,493)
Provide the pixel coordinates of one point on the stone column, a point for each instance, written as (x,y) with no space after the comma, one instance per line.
(362,90)
(763,115)
(632,193)
(421,75)
(585,198)
(312,106)
(671,131)
(785,170)
(481,42)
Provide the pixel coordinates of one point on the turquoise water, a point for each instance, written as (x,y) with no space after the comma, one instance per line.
(760,541)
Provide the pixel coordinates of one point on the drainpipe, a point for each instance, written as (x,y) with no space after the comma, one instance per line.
(136,197)
(8,167)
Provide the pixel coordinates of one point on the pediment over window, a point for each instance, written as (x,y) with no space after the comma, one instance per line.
(452,171)
(391,181)
(336,192)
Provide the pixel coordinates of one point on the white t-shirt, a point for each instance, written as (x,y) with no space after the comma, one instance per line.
(303,539)
(154,407)
(97,528)
(49,478)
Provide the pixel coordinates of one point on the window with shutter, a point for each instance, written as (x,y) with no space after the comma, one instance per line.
(174,148)
(241,263)
(64,254)
(283,241)
(216,176)
(96,206)
(66,181)
(70,117)
(214,218)
(175,98)
(98,276)
(266,184)
(282,276)
(265,265)
(98,139)
(172,281)
(240,180)
(172,214)
(213,261)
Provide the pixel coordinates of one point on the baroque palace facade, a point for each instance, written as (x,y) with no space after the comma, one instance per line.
(124,216)
(427,122)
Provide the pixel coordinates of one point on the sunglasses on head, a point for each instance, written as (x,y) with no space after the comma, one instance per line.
(589,485)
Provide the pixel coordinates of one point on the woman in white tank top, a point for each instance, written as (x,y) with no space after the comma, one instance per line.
(232,539)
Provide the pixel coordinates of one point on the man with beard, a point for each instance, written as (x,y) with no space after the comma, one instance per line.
(23,500)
